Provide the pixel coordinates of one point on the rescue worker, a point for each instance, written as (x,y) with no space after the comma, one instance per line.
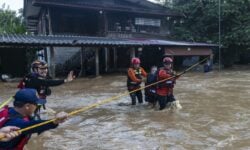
(207,66)
(8,133)
(165,89)
(40,80)
(150,92)
(135,76)
(25,104)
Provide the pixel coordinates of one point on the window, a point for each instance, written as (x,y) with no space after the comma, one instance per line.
(148,22)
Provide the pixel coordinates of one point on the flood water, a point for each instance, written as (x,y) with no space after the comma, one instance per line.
(215,115)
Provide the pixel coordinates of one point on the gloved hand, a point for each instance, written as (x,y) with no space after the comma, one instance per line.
(176,74)
(61,117)
(70,77)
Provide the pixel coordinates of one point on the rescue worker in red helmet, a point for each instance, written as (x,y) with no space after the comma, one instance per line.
(135,76)
(165,89)
(40,80)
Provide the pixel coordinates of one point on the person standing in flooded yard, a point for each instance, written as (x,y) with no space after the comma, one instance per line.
(165,89)
(25,103)
(207,66)
(150,92)
(40,80)
(135,76)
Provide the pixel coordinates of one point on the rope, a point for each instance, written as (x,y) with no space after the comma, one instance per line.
(6,102)
(108,100)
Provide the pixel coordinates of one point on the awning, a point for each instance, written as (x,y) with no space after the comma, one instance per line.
(7,40)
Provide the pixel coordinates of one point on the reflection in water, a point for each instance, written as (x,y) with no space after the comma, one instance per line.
(215,115)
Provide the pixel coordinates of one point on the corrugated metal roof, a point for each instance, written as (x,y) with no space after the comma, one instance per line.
(62,40)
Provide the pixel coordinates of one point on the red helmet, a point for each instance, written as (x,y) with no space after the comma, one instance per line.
(135,60)
(167,60)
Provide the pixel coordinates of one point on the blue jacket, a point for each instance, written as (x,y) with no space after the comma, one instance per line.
(17,120)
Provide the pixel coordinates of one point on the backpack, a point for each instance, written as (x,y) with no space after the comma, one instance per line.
(21,84)
(4,115)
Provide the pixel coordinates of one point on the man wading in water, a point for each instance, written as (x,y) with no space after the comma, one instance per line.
(165,89)
(40,80)
(135,74)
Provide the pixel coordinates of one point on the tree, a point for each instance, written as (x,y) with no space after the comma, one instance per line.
(200,23)
(10,21)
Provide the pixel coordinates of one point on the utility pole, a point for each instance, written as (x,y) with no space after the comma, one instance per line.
(219,35)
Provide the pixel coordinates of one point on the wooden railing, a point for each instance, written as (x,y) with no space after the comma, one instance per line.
(124,34)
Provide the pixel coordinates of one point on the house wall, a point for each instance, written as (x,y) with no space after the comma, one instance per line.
(188,56)
(107,23)
(188,51)
(74,22)
(90,22)
(96,23)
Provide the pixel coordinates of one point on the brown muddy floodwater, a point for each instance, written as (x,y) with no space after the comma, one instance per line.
(215,115)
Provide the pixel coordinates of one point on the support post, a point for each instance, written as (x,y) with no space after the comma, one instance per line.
(51,62)
(49,21)
(106,50)
(115,58)
(50,50)
(44,22)
(81,62)
(97,73)
(132,52)
(105,23)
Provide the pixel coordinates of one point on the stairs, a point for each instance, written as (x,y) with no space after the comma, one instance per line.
(67,58)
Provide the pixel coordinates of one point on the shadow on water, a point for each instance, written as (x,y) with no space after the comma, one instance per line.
(215,115)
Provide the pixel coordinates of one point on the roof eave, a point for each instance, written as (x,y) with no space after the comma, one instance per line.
(146,11)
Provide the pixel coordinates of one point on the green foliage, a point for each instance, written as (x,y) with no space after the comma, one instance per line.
(10,22)
(201,23)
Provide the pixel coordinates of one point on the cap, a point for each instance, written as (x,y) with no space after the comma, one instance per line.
(28,96)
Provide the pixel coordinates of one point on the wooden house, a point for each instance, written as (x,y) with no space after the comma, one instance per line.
(146,25)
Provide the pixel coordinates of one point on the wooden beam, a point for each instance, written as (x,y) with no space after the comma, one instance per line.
(132,52)
(44,22)
(81,62)
(115,58)
(97,70)
(49,21)
(51,61)
(52,64)
(106,50)
(105,22)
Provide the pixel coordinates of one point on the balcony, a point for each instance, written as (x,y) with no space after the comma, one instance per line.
(132,31)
